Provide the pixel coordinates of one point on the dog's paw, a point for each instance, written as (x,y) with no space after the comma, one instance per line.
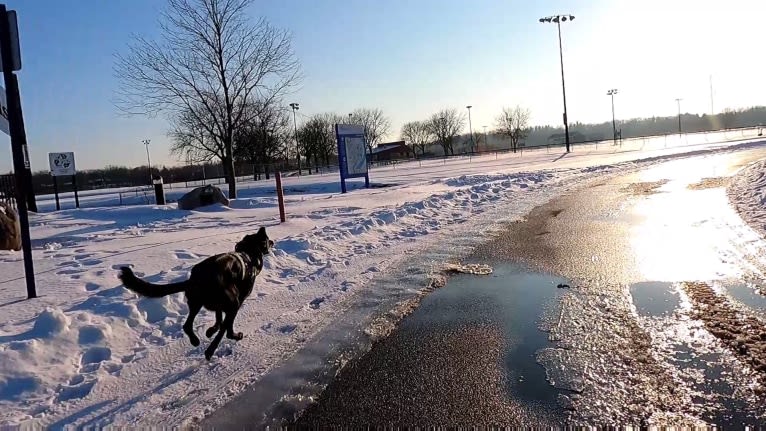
(211,331)
(238,336)
(209,354)
(194,341)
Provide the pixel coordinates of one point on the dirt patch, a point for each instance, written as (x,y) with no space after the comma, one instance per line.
(710,183)
(743,334)
(645,188)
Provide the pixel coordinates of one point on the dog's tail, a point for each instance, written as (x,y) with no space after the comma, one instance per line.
(147,289)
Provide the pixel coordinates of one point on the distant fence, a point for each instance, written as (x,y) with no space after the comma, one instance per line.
(8,190)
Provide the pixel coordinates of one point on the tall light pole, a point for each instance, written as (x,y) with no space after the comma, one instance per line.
(470,127)
(486,140)
(297,147)
(678,101)
(612,92)
(558,19)
(349,117)
(148,160)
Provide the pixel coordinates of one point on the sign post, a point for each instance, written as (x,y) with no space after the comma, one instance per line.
(352,154)
(62,165)
(11,61)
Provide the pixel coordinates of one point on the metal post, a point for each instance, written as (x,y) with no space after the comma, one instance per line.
(678,101)
(76,196)
(295,107)
(148,160)
(486,138)
(611,93)
(19,147)
(56,193)
(563,86)
(470,127)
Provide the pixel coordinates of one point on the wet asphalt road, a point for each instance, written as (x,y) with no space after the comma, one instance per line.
(661,322)
(625,242)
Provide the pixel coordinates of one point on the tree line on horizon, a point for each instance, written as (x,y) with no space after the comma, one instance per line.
(222,81)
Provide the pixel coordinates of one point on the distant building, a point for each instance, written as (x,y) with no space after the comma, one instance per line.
(390,151)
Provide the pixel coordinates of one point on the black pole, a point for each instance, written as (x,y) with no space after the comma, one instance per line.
(678,101)
(614,124)
(563,86)
(19,146)
(76,196)
(56,193)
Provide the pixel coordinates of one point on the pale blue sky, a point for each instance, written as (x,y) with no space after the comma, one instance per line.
(408,57)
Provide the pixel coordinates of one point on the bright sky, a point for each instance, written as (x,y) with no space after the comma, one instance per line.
(410,58)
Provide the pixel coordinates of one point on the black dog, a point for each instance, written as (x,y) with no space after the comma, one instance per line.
(219,283)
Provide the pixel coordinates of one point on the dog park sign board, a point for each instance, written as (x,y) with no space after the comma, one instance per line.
(352,153)
(62,164)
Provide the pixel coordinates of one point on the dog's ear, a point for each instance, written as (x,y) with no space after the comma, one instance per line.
(262,231)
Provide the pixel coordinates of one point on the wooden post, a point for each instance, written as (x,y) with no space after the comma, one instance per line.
(280,196)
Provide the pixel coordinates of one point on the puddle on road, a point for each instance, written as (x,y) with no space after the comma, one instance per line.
(747,295)
(512,299)
(654,298)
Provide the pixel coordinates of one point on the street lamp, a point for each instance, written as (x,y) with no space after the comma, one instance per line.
(486,139)
(148,160)
(558,19)
(470,127)
(612,92)
(297,147)
(678,101)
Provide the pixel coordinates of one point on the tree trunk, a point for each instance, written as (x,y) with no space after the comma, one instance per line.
(228,168)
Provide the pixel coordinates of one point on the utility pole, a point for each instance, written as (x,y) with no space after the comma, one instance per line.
(612,92)
(148,159)
(558,19)
(470,127)
(297,146)
(678,101)
(486,139)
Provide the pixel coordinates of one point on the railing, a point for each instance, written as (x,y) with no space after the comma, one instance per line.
(8,190)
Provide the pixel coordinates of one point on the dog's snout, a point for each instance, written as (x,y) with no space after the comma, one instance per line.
(271,244)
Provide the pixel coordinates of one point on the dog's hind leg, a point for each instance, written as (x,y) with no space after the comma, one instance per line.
(213,329)
(194,308)
(230,329)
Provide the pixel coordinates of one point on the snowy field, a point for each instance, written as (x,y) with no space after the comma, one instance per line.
(88,352)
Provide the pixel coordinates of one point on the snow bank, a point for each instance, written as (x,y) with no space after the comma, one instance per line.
(747,193)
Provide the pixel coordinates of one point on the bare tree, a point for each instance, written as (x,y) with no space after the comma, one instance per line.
(514,123)
(376,125)
(211,63)
(262,138)
(417,135)
(445,126)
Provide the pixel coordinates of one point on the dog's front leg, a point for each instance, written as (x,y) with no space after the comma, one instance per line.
(218,320)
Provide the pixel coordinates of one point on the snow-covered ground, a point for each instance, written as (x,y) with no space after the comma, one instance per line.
(87,351)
